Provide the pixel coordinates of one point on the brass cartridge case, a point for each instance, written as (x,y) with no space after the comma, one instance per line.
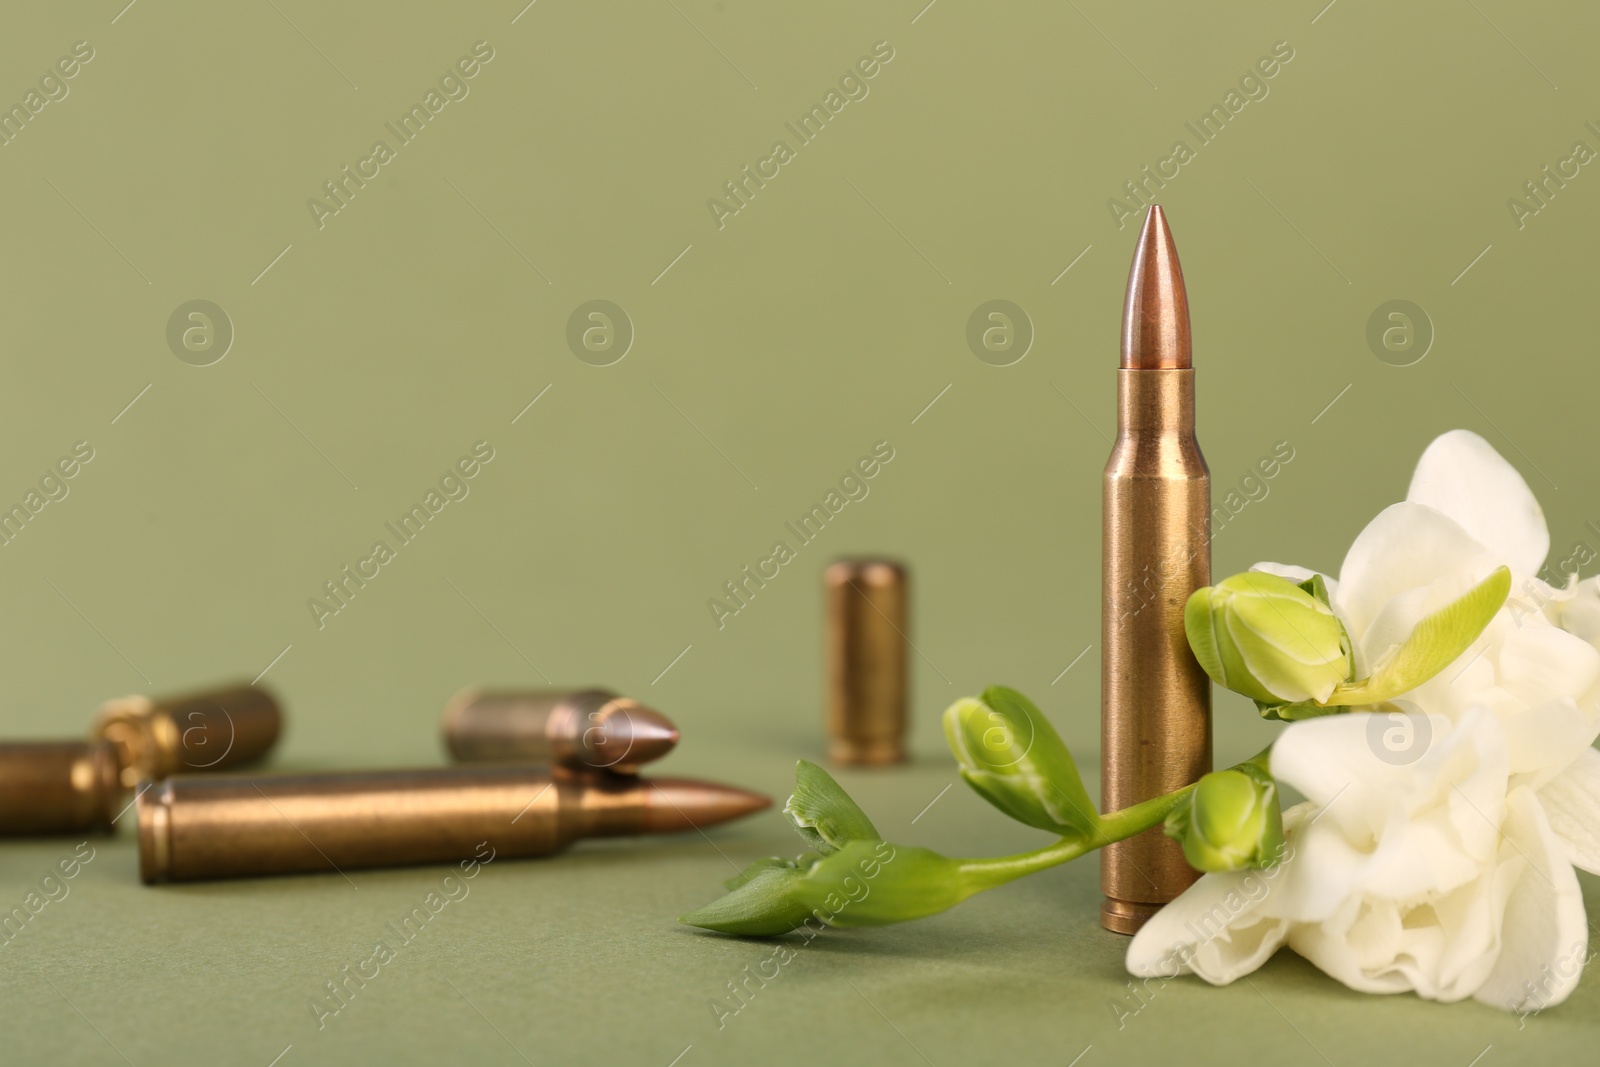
(867,608)
(1155,700)
(587,729)
(201,826)
(211,730)
(58,787)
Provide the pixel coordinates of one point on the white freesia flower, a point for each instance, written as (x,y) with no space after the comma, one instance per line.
(1447,871)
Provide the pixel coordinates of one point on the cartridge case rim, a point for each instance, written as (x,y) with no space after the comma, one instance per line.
(154,803)
(150,740)
(1126,916)
(855,752)
(142,739)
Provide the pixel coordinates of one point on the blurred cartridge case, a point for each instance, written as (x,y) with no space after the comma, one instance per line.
(58,787)
(590,729)
(201,827)
(1155,699)
(867,609)
(206,731)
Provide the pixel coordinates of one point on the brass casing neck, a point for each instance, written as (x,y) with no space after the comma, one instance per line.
(1155,402)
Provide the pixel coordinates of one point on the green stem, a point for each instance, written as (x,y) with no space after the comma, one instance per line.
(1109,829)
(984,874)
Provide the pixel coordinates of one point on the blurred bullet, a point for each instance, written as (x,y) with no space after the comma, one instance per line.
(589,729)
(211,730)
(867,609)
(201,827)
(58,787)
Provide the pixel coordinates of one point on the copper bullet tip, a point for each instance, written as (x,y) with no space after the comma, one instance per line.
(635,735)
(1155,315)
(678,804)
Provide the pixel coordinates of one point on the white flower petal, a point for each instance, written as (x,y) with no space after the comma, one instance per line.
(1376,935)
(1572,804)
(1340,762)
(1544,741)
(1469,922)
(1375,827)
(1441,950)
(1461,475)
(1417,858)
(1542,663)
(1325,757)
(1213,930)
(1318,877)
(1576,610)
(1335,957)
(1407,546)
(1544,934)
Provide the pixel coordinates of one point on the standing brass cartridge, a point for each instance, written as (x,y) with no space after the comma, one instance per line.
(584,729)
(867,608)
(1155,702)
(199,827)
(211,730)
(58,787)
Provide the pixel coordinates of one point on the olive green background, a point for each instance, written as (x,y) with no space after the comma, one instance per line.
(768,356)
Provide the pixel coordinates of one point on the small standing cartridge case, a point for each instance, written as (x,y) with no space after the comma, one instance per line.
(867,687)
(1155,712)
(203,826)
(587,729)
(207,731)
(58,787)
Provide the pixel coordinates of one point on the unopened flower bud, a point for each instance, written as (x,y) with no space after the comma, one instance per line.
(1230,822)
(1263,636)
(1011,755)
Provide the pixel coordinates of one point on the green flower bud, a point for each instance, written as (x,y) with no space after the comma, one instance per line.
(864,883)
(850,878)
(1263,636)
(1230,822)
(1012,757)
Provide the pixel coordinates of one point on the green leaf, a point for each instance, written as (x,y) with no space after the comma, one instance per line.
(1436,642)
(1012,757)
(823,813)
(865,883)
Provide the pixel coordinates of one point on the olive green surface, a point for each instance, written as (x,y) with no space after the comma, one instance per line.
(831,312)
